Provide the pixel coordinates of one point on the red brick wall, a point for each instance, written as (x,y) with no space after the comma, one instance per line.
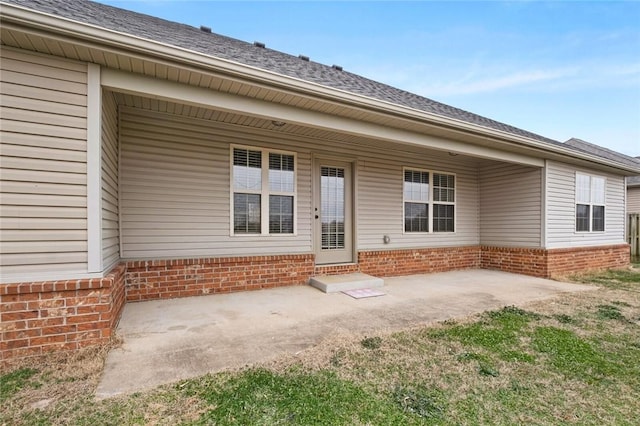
(527,261)
(386,263)
(36,318)
(161,279)
(348,268)
(41,317)
(571,260)
(554,262)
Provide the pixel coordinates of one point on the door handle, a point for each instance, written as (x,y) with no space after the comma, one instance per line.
(317,217)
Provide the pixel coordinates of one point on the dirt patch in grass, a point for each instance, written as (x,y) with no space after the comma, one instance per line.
(574,359)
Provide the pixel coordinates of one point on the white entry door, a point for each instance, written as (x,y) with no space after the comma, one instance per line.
(333,212)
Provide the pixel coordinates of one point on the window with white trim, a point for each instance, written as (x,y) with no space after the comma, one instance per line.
(423,201)
(590,203)
(263,191)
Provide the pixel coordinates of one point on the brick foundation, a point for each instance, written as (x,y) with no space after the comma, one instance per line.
(41,317)
(527,261)
(418,261)
(37,318)
(554,262)
(347,268)
(572,260)
(163,279)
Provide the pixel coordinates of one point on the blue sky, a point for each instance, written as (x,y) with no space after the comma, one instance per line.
(559,69)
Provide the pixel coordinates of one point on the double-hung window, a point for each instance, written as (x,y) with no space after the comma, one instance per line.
(263,191)
(590,203)
(428,195)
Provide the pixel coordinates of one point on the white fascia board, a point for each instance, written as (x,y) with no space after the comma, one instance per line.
(157,50)
(94,170)
(137,84)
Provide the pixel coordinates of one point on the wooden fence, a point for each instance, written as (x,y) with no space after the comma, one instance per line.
(633,234)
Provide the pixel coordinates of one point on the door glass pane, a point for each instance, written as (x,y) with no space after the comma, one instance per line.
(332,207)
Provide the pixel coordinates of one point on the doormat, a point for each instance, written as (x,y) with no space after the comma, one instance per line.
(364,292)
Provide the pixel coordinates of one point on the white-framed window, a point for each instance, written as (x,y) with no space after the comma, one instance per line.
(428,195)
(263,186)
(590,203)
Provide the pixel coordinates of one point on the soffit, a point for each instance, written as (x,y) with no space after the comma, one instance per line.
(261,125)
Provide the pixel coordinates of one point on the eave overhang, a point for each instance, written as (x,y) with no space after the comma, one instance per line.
(20,19)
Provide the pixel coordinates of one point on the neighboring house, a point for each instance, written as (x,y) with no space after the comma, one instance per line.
(633,194)
(145,159)
(633,182)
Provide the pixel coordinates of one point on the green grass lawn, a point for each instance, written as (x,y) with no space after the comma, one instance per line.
(574,359)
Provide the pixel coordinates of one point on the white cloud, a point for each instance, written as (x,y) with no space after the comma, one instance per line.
(478,78)
(469,85)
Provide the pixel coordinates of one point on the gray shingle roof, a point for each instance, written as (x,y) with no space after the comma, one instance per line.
(601,151)
(633,181)
(188,37)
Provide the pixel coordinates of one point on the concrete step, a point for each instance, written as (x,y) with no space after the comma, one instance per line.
(345,282)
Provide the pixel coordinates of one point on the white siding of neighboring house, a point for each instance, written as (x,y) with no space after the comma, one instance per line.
(174,190)
(110,226)
(43,112)
(633,199)
(510,205)
(561,208)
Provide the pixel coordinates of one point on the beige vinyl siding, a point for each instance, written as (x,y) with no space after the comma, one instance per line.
(175,190)
(110,225)
(633,199)
(380,202)
(561,226)
(510,205)
(43,164)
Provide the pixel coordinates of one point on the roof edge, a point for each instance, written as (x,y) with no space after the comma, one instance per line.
(101,36)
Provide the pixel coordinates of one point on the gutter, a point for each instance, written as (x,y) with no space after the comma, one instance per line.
(152,49)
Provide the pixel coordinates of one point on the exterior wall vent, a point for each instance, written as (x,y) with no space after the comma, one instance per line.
(304,58)
(259,44)
(205,29)
(336,67)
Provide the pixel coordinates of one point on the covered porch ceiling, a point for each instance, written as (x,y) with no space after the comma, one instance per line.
(283,129)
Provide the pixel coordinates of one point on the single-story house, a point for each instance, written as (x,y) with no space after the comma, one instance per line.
(633,194)
(145,159)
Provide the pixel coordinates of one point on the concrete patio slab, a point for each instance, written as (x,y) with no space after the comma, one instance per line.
(169,340)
